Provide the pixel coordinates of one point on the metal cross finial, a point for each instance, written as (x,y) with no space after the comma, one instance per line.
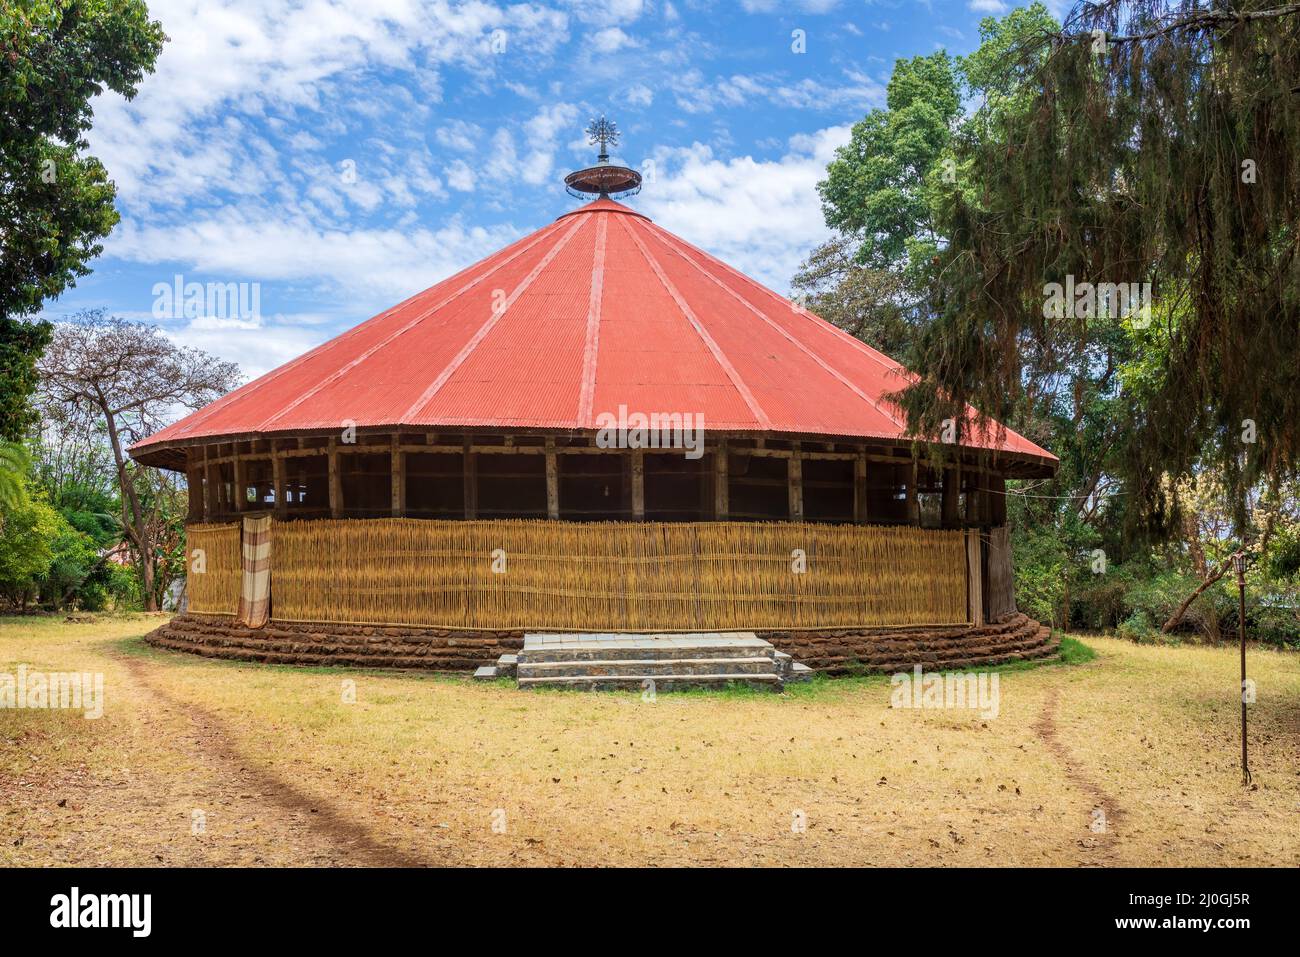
(604,132)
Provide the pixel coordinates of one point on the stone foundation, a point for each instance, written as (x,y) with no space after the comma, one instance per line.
(1015,638)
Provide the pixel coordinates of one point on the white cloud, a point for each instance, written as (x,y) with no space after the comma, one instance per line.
(639,95)
(370,268)
(611,39)
(772,6)
(763,217)
(605,12)
(696,94)
(988,6)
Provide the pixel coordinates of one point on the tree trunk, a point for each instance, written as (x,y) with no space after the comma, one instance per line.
(134,524)
(1177,616)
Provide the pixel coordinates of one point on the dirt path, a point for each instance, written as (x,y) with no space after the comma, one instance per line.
(339,839)
(1107,814)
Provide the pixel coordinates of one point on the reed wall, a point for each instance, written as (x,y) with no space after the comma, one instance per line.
(215,589)
(547,575)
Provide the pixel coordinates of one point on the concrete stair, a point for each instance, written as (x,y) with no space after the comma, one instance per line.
(671,662)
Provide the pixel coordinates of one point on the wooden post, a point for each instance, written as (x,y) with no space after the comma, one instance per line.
(796,485)
(194,485)
(997,488)
(721,493)
(638,485)
(860,489)
(241,482)
(398,472)
(913,496)
(277,475)
(336,481)
(471,481)
(552,482)
(974,578)
(951,500)
(210,503)
(973,500)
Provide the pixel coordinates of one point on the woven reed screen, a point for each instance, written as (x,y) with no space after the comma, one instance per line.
(214,591)
(615,577)
(1000,590)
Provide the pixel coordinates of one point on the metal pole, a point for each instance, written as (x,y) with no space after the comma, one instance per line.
(1240,561)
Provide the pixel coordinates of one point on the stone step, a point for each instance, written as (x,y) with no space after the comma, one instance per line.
(486,673)
(574,647)
(799,672)
(656,667)
(769,682)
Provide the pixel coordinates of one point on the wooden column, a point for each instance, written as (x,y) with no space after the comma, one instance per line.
(638,485)
(974,577)
(211,475)
(951,499)
(721,492)
(860,489)
(471,481)
(336,481)
(398,472)
(277,476)
(796,485)
(914,495)
(194,485)
(241,482)
(997,501)
(552,481)
(973,500)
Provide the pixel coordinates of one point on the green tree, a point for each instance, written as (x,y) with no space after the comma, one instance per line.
(56,201)
(1160,147)
(28,530)
(877,189)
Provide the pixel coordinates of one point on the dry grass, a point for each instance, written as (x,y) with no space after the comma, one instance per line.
(415,769)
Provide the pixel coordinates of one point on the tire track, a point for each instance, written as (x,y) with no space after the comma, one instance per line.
(213,736)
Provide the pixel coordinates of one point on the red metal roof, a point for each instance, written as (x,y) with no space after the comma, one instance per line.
(601,308)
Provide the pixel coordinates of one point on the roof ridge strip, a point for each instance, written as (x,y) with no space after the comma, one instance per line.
(591,348)
(667,236)
(874,354)
(427,395)
(407,327)
(197,418)
(709,342)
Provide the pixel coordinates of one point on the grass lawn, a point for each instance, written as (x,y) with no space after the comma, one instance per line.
(439,770)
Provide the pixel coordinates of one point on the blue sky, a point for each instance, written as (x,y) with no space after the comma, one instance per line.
(344,155)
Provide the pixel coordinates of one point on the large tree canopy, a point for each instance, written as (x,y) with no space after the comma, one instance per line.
(56,201)
(1158,145)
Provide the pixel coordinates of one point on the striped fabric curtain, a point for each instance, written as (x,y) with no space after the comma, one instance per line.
(255,595)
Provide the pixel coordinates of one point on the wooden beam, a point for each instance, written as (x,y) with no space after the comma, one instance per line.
(997,501)
(241,483)
(951,500)
(277,474)
(194,485)
(336,481)
(638,485)
(974,577)
(913,497)
(721,496)
(398,472)
(795,472)
(552,481)
(471,481)
(860,489)
(210,475)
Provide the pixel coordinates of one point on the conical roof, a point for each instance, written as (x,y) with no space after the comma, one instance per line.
(598,310)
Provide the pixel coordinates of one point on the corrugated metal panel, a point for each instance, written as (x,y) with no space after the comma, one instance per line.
(602,309)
